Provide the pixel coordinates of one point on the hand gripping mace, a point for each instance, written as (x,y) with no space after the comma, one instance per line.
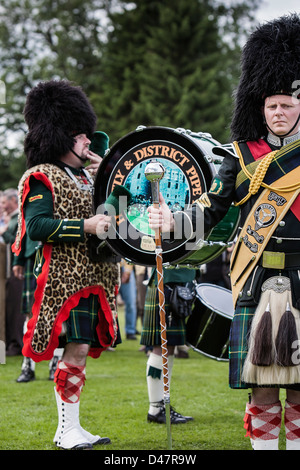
(154,172)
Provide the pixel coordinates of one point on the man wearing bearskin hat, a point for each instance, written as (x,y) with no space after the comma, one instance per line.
(260,174)
(74,294)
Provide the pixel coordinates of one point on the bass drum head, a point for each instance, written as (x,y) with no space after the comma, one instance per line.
(216,298)
(208,327)
(187,175)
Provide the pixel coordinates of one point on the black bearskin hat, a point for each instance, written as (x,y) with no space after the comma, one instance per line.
(270,65)
(55,112)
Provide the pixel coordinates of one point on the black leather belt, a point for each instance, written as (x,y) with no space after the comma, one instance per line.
(279,260)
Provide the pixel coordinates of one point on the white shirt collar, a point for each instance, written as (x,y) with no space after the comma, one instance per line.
(279,142)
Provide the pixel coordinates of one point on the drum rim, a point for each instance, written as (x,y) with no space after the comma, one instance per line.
(210,356)
(214,309)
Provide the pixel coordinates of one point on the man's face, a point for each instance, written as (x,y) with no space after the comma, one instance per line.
(281,113)
(81,146)
(9,204)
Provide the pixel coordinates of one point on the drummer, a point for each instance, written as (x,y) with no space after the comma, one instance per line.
(261,175)
(74,293)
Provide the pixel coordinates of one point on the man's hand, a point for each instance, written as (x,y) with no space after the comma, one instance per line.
(18,271)
(97,225)
(162,217)
(95,162)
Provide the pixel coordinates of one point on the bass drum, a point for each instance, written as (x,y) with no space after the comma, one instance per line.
(189,166)
(208,328)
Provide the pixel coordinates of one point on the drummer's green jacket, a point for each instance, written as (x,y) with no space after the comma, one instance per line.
(40,224)
(41,227)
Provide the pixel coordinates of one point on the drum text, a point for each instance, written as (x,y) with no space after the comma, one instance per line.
(161,151)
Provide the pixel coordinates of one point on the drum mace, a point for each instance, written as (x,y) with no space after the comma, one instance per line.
(154,172)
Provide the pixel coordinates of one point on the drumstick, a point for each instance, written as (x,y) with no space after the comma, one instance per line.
(154,172)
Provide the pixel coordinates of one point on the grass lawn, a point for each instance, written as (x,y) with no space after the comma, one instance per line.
(114,403)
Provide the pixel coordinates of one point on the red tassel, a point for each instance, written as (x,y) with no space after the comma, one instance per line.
(247,425)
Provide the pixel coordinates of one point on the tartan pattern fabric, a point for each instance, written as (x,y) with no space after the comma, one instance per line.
(151,324)
(69,381)
(292,421)
(82,322)
(263,421)
(82,325)
(238,345)
(29,287)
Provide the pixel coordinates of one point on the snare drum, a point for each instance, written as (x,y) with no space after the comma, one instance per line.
(189,166)
(208,328)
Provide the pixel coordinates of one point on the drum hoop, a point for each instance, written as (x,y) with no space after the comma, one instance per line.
(208,305)
(216,358)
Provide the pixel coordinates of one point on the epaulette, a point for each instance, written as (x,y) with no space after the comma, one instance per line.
(224,149)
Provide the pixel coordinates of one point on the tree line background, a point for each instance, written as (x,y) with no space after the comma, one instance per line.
(171,63)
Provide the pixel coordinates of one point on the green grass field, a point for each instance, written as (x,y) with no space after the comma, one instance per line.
(114,403)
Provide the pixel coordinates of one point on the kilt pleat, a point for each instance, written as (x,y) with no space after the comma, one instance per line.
(81,326)
(28,287)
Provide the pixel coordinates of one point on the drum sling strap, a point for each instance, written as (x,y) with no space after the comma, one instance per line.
(267,212)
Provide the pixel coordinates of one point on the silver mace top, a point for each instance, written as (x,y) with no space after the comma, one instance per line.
(154,172)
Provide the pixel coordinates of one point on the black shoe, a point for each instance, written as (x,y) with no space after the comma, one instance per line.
(176,418)
(84,446)
(178,415)
(27,375)
(130,336)
(102,441)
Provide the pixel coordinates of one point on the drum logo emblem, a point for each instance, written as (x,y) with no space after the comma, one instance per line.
(217,186)
(264,215)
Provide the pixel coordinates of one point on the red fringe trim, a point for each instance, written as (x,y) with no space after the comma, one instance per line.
(104,326)
(41,177)
(105,320)
(60,378)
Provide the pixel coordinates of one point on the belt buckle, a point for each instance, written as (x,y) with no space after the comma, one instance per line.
(273,259)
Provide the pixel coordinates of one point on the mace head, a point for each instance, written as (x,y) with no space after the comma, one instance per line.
(154,171)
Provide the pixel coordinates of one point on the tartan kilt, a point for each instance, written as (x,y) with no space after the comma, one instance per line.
(238,349)
(151,331)
(82,323)
(238,344)
(29,287)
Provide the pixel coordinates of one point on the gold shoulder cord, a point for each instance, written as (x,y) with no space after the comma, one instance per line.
(256,180)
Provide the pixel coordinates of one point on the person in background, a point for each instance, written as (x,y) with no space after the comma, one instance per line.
(13,318)
(2,216)
(128,294)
